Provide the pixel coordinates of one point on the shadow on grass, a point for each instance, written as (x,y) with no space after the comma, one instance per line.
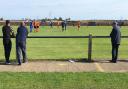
(77,60)
(123,60)
(101,61)
(14,62)
(83,60)
(108,61)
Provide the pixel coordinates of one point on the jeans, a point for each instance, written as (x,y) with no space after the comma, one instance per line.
(115,52)
(21,49)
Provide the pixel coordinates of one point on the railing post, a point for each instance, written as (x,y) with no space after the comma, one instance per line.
(90,48)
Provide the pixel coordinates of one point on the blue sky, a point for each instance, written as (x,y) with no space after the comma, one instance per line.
(75,9)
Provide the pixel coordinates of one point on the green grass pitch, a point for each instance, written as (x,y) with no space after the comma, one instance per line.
(70,48)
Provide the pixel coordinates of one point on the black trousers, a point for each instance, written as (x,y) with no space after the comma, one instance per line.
(115,48)
(7,48)
(21,49)
(62,28)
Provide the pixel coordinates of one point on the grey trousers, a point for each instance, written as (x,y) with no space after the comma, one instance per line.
(21,51)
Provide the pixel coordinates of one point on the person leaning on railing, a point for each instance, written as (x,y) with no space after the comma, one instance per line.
(7,34)
(115,40)
(21,36)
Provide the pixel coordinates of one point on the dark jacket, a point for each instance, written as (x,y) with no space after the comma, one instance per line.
(115,36)
(62,24)
(7,32)
(22,33)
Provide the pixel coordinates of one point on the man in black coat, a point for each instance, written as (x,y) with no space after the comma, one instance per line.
(115,40)
(63,25)
(21,36)
(7,33)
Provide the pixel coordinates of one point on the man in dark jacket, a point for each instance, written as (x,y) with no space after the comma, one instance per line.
(63,25)
(21,36)
(7,33)
(115,40)
(51,24)
(31,26)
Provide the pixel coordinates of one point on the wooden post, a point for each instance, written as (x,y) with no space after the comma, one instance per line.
(90,48)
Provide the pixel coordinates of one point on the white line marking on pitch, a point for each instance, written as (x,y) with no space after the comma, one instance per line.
(99,67)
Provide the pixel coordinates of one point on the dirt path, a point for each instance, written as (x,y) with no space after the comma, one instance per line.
(66,66)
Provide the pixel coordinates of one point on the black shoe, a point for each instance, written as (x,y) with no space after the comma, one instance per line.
(112,61)
(19,63)
(25,61)
(7,63)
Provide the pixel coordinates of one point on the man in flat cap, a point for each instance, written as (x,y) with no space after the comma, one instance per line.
(115,40)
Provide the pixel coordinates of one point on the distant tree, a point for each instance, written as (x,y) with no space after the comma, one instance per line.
(43,20)
(60,18)
(1,19)
(46,19)
(68,19)
(55,18)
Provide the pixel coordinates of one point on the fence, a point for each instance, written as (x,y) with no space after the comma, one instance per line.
(90,41)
